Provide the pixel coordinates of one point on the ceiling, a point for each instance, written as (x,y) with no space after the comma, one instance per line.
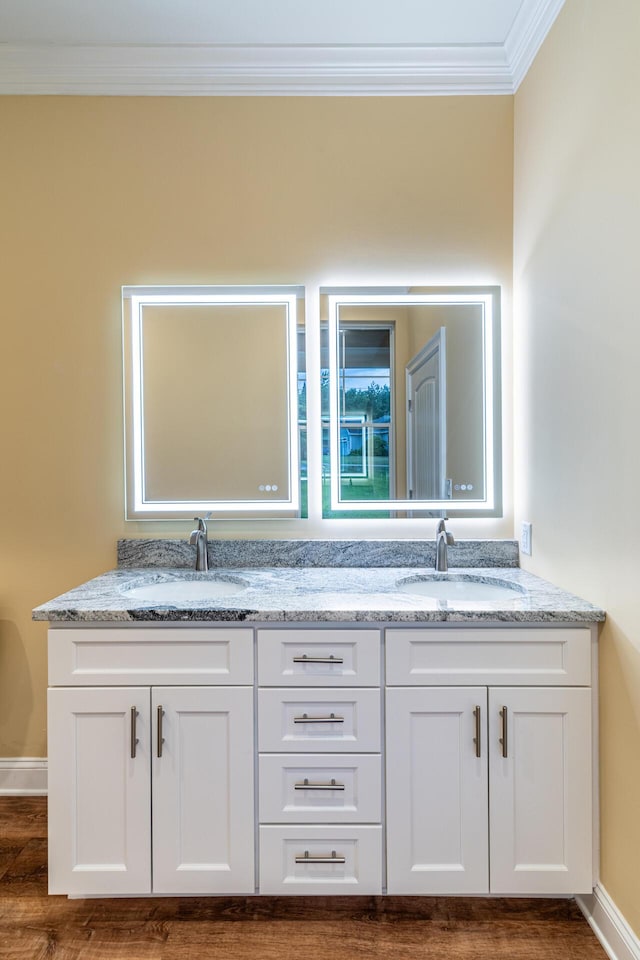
(323,47)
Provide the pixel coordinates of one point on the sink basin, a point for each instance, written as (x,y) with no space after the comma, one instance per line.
(175,591)
(459,587)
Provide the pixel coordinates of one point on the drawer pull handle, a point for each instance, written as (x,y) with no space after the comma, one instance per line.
(305,785)
(503,738)
(305,659)
(477,739)
(305,719)
(332,859)
(160,737)
(134,739)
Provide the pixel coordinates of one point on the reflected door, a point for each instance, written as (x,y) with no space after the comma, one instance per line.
(426,421)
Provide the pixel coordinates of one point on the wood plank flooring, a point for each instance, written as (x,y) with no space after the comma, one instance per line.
(34,926)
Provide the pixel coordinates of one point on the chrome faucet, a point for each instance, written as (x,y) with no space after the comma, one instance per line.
(444,539)
(198,539)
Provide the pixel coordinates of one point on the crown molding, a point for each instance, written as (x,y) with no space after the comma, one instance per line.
(528,31)
(294,70)
(285,70)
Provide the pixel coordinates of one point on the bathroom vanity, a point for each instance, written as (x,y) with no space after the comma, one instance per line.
(386,742)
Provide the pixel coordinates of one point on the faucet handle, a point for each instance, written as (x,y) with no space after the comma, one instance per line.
(202,523)
(200,530)
(442,529)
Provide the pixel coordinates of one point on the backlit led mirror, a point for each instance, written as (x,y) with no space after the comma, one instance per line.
(411,419)
(211,400)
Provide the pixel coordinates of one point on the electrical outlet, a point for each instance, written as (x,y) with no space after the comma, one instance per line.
(525,538)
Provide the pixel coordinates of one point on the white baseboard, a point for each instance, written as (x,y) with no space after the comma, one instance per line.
(609,926)
(23,776)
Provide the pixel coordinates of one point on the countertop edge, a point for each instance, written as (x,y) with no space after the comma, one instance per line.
(314,616)
(315,595)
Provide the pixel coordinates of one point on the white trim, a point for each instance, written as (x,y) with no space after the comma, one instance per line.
(23,776)
(258,70)
(610,927)
(528,31)
(281,70)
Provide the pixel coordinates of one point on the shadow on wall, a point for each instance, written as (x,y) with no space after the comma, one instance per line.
(16,691)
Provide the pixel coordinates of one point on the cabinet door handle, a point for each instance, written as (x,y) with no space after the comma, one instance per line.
(305,785)
(134,739)
(305,659)
(332,859)
(477,712)
(305,719)
(160,737)
(503,738)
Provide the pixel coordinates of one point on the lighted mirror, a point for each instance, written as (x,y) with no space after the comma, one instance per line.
(412,423)
(211,400)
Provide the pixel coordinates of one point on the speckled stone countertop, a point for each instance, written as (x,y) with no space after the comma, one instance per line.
(317,594)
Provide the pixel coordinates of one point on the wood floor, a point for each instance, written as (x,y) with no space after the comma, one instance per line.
(34,926)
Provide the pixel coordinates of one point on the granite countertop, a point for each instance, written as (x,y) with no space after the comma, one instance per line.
(317,594)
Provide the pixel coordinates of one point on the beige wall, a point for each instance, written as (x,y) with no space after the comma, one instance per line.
(99,192)
(576,371)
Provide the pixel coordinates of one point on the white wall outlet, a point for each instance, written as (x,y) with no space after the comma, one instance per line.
(525,538)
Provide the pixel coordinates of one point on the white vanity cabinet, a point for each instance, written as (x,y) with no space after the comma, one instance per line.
(489,786)
(414,759)
(183,751)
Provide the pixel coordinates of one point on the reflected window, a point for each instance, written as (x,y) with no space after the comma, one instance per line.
(365,402)
(365,390)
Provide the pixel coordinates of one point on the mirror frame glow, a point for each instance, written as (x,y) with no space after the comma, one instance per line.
(488,298)
(138,507)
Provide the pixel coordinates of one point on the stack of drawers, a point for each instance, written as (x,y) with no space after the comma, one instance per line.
(320,772)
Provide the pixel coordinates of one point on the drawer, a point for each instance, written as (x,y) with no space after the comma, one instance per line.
(299,860)
(478,655)
(319,658)
(322,721)
(122,656)
(296,788)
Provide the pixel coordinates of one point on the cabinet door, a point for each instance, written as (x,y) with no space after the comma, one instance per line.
(540,783)
(99,791)
(437,794)
(203,806)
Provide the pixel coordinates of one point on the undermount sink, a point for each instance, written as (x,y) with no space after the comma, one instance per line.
(173,591)
(459,587)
